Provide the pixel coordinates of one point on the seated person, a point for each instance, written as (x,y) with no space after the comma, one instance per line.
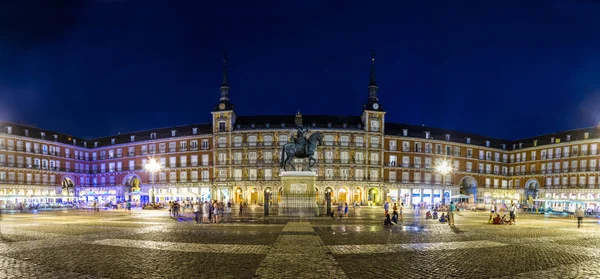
(505,220)
(497,219)
(443,218)
(394,219)
(387,220)
(428,215)
(435,214)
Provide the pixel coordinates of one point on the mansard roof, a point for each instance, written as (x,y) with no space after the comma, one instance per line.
(161,133)
(35,133)
(289,121)
(417,131)
(576,134)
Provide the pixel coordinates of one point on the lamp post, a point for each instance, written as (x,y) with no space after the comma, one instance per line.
(444,169)
(152,166)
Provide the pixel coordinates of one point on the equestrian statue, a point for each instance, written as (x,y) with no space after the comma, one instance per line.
(301,148)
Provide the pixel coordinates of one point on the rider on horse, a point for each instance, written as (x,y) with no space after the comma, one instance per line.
(301,138)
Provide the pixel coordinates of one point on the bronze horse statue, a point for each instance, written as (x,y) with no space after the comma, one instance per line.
(292,149)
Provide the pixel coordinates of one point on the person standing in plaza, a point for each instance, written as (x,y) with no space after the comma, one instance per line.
(197,212)
(451,214)
(401,212)
(395,210)
(579,214)
(386,206)
(128,206)
(513,216)
(346,210)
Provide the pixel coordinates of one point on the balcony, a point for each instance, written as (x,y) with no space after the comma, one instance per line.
(182,149)
(171,150)
(131,154)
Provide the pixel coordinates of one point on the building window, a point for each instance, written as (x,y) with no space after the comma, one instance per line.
(221,126)
(112,141)
(194,131)
(173,133)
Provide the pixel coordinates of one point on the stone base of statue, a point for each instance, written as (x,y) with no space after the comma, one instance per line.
(298,197)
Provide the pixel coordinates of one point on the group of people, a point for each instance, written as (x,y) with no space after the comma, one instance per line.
(497,220)
(397,212)
(449,217)
(341,210)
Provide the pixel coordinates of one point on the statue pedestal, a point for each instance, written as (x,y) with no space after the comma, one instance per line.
(298,197)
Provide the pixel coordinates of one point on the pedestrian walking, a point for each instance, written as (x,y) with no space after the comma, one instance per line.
(129,207)
(579,214)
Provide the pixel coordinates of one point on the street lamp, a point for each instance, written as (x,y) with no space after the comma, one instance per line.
(153,167)
(444,169)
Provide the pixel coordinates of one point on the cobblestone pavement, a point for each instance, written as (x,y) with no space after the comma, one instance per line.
(150,244)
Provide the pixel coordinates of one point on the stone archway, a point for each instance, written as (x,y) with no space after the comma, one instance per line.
(531,190)
(268,195)
(68,186)
(133,182)
(329,191)
(343,195)
(468,186)
(357,197)
(238,196)
(373,196)
(253,194)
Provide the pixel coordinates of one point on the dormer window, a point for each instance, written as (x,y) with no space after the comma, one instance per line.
(152,136)
(282,124)
(26,132)
(427,134)
(112,141)
(359,125)
(238,126)
(43,135)
(468,140)
(504,146)
(535,142)
(514,146)
(520,145)
(314,124)
(173,133)
(133,137)
(194,131)
(84,144)
(345,125)
(328,124)
(487,143)
(586,135)
(74,142)
(447,137)
(568,137)
(55,137)
(552,140)
(267,124)
(252,125)
(405,132)
(9,130)
(96,144)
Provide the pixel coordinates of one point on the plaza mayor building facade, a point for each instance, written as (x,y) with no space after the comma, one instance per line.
(363,159)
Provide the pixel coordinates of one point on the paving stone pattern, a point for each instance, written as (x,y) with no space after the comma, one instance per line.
(149,244)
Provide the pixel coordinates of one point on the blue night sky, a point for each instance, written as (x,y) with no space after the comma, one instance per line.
(507,69)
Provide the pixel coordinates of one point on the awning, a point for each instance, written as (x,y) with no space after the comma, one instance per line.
(461,196)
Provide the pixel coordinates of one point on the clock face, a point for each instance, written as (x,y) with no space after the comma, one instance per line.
(222,106)
(375,106)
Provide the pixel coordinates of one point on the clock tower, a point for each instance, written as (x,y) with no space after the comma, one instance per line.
(223,115)
(373,113)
